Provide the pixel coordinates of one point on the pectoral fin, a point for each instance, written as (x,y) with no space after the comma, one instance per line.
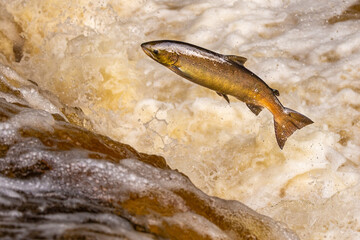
(225,96)
(254,108)
(237,59)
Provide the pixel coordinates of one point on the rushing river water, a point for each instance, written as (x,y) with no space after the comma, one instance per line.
(71,70)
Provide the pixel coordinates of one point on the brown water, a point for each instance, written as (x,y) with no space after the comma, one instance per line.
(88,57)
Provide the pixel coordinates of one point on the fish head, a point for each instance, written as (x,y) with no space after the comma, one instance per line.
(161,51)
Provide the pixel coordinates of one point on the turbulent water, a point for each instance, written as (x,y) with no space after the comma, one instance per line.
(60,181)
(87,62)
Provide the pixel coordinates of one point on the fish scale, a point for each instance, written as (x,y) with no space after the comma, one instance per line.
(226,75)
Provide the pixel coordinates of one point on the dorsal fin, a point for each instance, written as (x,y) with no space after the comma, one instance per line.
(236,59)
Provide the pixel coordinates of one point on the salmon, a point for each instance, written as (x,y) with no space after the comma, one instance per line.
(226,75)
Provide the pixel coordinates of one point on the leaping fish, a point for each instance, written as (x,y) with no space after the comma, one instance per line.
(226,75)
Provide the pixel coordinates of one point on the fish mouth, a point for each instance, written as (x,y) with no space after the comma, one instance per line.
(146,48)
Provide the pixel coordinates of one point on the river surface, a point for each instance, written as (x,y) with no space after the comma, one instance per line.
(81,61)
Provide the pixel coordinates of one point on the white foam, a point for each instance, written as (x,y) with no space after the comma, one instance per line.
(93,61)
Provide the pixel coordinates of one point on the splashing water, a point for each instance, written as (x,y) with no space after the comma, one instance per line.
(89,56)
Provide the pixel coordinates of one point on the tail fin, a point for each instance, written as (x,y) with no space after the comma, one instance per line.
(287,124)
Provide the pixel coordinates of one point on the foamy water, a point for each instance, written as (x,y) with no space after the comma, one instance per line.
(89,56)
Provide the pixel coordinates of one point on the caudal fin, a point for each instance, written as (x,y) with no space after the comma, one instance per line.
(287,124)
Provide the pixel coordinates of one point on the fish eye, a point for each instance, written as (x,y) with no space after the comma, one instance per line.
(156,51)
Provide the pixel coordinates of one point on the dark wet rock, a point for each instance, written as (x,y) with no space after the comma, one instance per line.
(61,181)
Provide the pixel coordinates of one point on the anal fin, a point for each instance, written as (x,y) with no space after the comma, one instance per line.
(225,96)
(256,109)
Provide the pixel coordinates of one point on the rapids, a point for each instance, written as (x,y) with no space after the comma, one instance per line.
(79,63)
(61,181)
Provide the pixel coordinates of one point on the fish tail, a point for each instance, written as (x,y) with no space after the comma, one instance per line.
(287,123)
